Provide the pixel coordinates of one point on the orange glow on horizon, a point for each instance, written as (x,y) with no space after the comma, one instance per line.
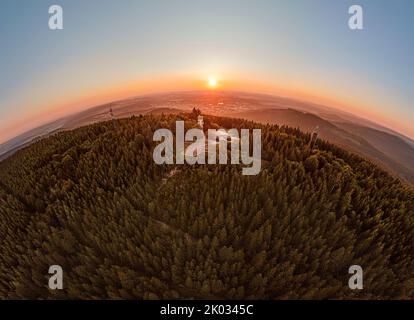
(212,83)
(75,103)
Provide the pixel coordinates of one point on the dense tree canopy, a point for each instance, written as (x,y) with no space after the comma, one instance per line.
(93,201)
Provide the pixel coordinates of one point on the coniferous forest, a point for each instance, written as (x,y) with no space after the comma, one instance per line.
(93,201)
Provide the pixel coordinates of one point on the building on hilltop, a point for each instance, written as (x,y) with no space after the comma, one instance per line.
(200,121)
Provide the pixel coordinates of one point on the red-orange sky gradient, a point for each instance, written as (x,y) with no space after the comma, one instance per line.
(112,50)
(72,103)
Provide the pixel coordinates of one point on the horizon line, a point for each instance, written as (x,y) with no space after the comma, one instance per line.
(158,93)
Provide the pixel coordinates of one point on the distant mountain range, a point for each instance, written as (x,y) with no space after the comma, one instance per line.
(383,146)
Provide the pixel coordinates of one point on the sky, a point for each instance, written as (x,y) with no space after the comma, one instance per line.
(109,50)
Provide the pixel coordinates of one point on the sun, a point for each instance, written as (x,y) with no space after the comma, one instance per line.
(212,82)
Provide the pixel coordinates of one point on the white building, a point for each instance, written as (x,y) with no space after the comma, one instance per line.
(200,121)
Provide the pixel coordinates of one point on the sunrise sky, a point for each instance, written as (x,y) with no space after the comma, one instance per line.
(111,50)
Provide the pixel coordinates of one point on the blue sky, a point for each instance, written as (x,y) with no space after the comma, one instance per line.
(305,45)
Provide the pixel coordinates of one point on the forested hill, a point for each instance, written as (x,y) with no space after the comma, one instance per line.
(93,201)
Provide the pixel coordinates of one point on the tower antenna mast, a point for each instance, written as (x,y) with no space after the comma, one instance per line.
(314,137)
(112,116)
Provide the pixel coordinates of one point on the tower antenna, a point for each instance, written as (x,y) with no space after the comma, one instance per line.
(112,116)
(314,137)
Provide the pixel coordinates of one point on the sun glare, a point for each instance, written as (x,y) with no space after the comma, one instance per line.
(212,82)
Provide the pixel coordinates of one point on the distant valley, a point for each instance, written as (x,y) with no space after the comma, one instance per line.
(383,146)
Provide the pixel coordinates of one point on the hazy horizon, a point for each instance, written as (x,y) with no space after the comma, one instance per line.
(115,50)
(86,108)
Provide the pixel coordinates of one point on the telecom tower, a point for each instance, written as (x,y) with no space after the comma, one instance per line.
(200,121)
(112,116)
(314,137)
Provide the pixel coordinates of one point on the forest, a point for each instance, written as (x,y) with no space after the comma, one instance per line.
(93,201)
